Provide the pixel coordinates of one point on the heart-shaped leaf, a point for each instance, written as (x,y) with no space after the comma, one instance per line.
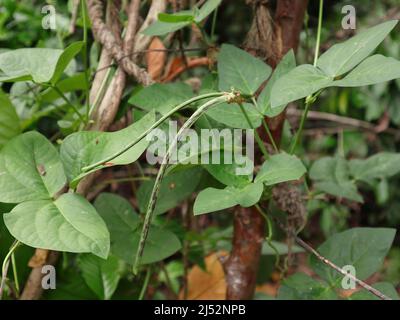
(40,65)
(30,169)
(373,70)
(299,83)
(332,176)
(287,64)
(161,97)
(280,168)
(362,248)
(102,276)
(9,121)
(211,199)
(69,223)
(174,188)
(241,71)
(302,287)
(379,166)
(84,148)
(125,230)
(343,57)
(232,116)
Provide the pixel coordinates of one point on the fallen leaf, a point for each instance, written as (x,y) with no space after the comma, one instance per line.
(210,284)
(270,289)
(155,58)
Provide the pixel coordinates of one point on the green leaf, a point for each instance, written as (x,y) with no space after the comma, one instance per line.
(232,116)
(73,83)
(280,168)
(206,9)
(381,165)
(299,83)
(373,70)
(159,28)
(66,57)
(240,70)
(211,199)
(30,169)
(161,97)
(385,287)
(287,64)
(101,276)
(84,148)
(125,230)
(302,287)
(332,176)
(362,248)
(227,173)
(38,64)
(174,18)
(70,224)
(175,188)
(9,121)
(343,57)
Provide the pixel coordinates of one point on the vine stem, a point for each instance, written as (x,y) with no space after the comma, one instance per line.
(310,99)
(5,265)
(156,124)
(85,57)
(145,284)
(256,135)
(225,97)
(15,272)
(62,95)
(317,45)
(270,235)
(267,130)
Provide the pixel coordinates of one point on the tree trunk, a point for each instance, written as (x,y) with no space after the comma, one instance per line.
(271,41)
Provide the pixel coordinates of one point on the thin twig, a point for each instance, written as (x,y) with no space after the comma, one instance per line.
(329,263)
(364,125)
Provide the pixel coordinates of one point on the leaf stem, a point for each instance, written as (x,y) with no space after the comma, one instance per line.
(225,97)
(15,272)
(62,95)
(256,135)
(320,16)
(145,284)
(5,265)
(271,138)
(156,124)
(310,99)
(270,235)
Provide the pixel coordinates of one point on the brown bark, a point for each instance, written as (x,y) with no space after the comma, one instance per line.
(241,268)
